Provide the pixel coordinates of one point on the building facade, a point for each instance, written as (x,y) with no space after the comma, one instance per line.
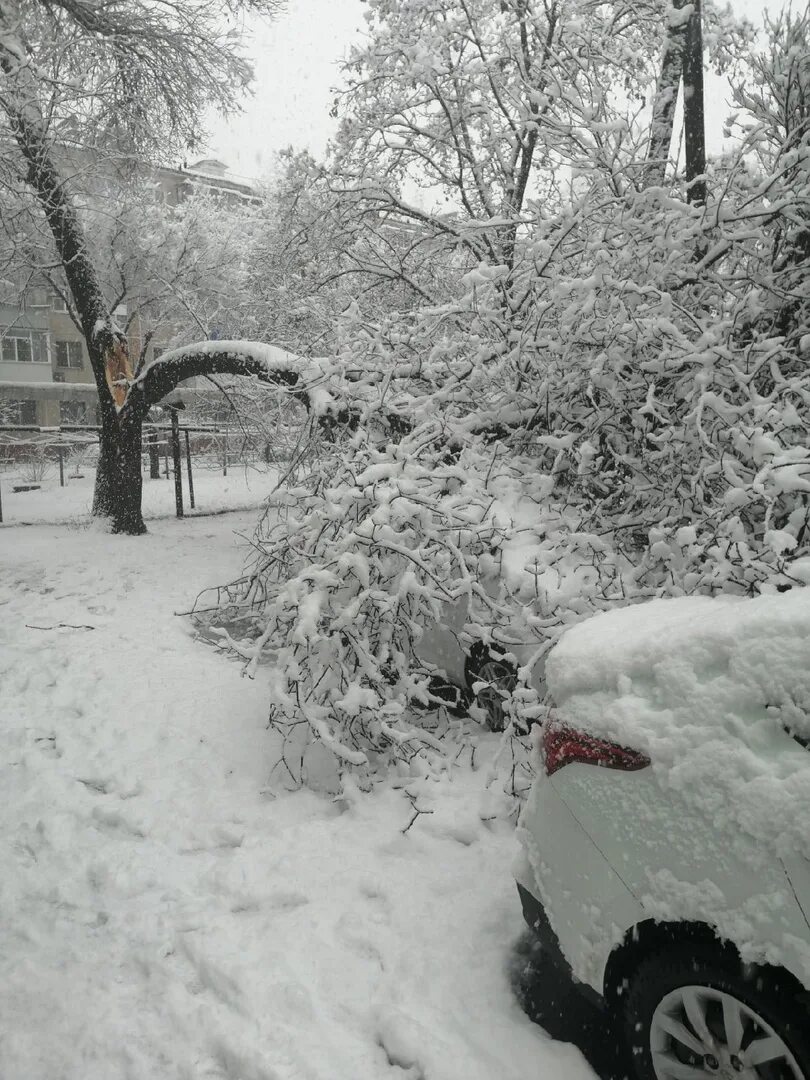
(45,374)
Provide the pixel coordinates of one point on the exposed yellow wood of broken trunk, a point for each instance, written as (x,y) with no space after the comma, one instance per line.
(118,371)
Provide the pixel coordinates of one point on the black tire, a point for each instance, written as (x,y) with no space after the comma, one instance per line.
(484,665)
(454,698)
(707,975)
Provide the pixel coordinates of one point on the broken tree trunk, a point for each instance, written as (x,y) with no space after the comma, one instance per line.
(666,94)
(119,485)
(124,400)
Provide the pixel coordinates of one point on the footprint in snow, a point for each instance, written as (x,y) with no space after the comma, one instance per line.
(116,822)
(353,930)
(286,901)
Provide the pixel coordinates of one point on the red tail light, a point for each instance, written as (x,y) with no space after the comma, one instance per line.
(565,746)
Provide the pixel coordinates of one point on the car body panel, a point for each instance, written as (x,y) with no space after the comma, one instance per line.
(609,849)
(682,867)
(588,905)
(440,646)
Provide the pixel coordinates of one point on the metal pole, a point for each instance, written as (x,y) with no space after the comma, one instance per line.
(1,509)
(154,455)
(178,464)
(190,477)
(61,467)
(225,453)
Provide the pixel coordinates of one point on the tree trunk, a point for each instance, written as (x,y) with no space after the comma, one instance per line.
(693,121)
(666,94)
(119,484)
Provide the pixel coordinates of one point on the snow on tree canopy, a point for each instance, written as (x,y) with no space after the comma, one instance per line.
(712,690)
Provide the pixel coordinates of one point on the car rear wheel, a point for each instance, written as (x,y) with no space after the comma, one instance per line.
(700,1014)
(499,680)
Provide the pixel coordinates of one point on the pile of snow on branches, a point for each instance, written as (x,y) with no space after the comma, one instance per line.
(611,405)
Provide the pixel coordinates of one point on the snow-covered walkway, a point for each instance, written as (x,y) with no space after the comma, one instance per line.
(167,916)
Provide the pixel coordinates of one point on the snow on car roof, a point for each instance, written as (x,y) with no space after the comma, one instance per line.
(712,690)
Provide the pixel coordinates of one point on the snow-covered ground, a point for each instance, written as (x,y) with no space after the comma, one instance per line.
(165,912)
(241,489)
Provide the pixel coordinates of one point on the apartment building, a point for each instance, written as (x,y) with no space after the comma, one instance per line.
(45,374)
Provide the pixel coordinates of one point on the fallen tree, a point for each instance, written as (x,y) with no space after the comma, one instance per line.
(634,426)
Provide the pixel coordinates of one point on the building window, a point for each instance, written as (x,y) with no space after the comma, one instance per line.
(69,354)
(72,412)
(36,297)
(24,346)
(58,303)
(20,412)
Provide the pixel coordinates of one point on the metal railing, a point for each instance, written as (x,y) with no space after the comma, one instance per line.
(160,440)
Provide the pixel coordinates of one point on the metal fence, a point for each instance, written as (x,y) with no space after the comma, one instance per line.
(168,450)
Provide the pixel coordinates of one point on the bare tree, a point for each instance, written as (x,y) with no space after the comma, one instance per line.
(121,78)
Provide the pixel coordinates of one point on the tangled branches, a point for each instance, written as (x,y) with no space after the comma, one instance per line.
(348,573)
(618,412)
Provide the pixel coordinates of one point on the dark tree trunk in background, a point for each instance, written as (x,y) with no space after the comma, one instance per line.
(693,119)
(666,94)
(682,57)
(118,481)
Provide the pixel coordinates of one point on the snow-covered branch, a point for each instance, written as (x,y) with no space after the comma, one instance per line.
(305,379)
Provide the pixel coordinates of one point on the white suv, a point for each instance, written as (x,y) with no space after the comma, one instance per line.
(665,840)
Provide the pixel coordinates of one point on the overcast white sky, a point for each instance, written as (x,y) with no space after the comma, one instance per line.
(296,60)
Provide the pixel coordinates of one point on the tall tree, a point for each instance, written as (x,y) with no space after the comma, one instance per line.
(662,124)
(462,118)
(694,124)
(121,79)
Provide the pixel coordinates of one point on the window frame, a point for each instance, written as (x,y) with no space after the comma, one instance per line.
(35,338)
(20,405)
(36,298)
(72,345)
(65,405)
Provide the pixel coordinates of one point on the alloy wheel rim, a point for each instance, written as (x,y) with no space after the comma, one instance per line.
(699,1031)
(500,680)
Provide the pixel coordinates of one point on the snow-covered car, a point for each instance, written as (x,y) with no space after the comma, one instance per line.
(665,844)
